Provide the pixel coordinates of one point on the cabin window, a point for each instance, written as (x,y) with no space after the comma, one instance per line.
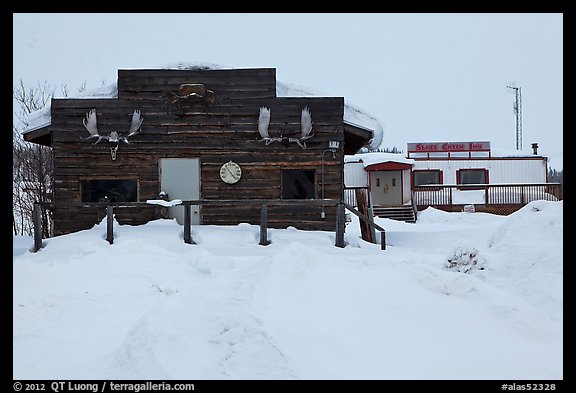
(472,176)
(298,184)
(109,190)
(427,177)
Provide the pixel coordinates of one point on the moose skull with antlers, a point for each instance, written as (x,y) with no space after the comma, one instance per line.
(305,128)
(91,125)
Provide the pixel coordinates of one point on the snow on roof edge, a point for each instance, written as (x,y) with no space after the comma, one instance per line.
(373,158)
(353,114)
(43,117)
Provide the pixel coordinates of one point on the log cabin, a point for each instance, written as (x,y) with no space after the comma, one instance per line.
(199,133)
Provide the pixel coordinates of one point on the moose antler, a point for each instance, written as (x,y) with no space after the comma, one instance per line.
(263,123)
(134,125)
(306,123)
(306,128)
(91,125)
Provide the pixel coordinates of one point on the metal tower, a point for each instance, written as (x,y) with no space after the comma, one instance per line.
(518,112)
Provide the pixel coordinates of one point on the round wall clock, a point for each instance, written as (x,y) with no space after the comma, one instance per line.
(230,172)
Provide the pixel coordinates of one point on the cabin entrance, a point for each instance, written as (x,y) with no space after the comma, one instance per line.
(180,179)
(386,188)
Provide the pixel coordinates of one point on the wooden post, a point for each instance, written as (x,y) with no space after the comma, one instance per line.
(110,224)
(37,220)
(187,224)
(370,222)
(362,202)
(340,225)
(370,214)
(264,225)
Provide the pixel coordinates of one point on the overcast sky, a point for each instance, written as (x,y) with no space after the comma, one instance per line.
(426,77)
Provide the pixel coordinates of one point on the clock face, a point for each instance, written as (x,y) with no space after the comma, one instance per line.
(230,172)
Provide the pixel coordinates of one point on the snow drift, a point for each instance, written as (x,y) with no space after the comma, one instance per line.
(152,307)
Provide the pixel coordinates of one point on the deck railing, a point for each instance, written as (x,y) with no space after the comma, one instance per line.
(350,195)
(485,194)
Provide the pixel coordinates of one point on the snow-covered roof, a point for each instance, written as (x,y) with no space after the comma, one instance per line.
(353,115)
(193,65)
(503,153)
(368,159)
(43,117)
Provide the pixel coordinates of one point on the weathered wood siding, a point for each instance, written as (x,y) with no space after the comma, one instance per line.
(229,131)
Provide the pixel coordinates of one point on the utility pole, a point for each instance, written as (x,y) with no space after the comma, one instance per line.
(518,112)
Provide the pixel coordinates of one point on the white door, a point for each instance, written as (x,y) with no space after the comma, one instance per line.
(386,188)
(180,179)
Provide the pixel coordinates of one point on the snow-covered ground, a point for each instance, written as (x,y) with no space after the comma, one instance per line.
(152,307)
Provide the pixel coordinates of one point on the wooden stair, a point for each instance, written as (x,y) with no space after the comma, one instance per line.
(399,213)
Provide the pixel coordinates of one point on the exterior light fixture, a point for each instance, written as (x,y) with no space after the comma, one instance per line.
(333,145)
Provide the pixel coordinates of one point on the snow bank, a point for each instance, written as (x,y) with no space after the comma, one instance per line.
(152,307)
(530,248)
(21,244)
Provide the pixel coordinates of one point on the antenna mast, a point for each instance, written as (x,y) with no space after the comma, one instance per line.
(518,112)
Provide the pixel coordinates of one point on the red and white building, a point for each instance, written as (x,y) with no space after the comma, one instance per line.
(450,175)
(474,163)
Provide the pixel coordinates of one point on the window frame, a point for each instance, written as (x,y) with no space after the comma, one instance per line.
(459,178)
(314,182)
(83,181)
(440,176)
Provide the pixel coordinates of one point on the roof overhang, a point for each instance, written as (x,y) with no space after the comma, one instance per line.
(355,137)
(41,135)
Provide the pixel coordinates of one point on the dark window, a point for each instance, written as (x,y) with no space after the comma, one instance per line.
(472,176)
(298,184)
(426,177)
(112,190)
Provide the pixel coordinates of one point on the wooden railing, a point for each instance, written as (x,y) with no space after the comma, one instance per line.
(371,223)
(485,194)
(263,203)
(350,195)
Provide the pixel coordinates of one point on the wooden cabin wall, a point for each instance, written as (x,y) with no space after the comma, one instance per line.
(229,131)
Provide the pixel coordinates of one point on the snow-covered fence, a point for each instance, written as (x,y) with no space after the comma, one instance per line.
(263,204)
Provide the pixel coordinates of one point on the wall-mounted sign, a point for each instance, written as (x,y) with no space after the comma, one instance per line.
(432,147)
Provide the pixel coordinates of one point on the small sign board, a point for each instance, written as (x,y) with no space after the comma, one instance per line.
(433,147)
(469,208)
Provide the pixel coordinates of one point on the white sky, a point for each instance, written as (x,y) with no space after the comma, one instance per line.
(426,77)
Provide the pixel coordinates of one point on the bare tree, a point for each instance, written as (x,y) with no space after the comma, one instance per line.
(33,167)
